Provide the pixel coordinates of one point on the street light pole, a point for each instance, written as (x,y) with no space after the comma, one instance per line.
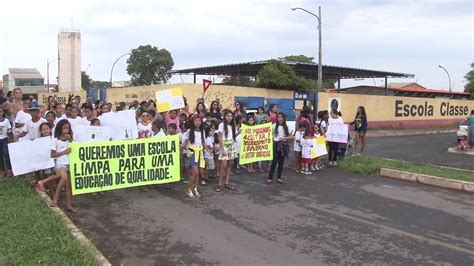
(112,69)
(449,77)
(47,70)
(320,52)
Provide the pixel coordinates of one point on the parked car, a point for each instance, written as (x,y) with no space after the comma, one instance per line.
(463,129)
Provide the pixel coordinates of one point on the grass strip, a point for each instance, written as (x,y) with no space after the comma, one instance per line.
(367,165)
(31,233)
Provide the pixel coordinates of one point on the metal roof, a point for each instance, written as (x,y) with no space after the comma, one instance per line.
(307,70)
(24,73)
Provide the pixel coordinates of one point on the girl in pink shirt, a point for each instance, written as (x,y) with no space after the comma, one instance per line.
(173,118)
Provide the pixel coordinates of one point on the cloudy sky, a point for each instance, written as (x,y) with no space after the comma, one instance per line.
(410,36)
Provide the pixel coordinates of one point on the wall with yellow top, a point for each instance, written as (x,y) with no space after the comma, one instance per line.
(382,111)
(192,92)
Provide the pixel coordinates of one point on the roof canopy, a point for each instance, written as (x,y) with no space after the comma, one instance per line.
(24,73)
(307,70)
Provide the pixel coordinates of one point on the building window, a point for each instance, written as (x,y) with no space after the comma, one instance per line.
(29,82)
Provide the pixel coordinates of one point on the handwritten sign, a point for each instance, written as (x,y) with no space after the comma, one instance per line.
(89,133)
(257,143)
(30,155)
(337,133)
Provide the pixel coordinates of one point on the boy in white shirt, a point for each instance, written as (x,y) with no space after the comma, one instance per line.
(30,130)
(21,118)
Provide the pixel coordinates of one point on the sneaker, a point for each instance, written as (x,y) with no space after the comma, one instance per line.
(269,181)
(308,173)
(312,167)
(317,168)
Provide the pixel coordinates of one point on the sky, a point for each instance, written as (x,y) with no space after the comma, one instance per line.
(409,36)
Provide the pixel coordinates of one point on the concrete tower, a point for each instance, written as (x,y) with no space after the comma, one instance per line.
(69,53)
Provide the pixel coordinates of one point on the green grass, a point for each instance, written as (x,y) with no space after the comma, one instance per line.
(32,234)
(366,165)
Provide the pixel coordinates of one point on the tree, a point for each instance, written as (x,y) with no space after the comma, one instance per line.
(299,58)
(238,81)
(85,80)
(149,65)
(278,75)
(469,87)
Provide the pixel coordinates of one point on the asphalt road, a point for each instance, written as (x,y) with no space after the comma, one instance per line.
(332,217)
(424,148)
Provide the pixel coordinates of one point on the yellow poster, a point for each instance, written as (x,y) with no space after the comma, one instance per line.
(108,165)
(319,147)
(257,143)
(171,99)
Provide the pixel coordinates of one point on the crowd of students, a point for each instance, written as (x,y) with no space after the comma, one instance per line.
(209,137)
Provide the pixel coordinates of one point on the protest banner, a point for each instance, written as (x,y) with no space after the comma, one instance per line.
(257,143)
(109,165)
(319,147)
(30,155)
(123,124)
(88,133)
(337,133)
(171,99)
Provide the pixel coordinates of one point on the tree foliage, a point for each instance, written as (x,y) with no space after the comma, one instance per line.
(299,58)
(244,81)
(85,80)
(278,75)
(469,87)
(149,65)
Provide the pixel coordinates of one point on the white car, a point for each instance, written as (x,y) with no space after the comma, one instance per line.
(463,129)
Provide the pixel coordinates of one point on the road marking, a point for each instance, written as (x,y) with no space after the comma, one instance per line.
(397,231)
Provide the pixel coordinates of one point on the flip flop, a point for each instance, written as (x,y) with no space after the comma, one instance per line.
(71,210)
(53,205)
(218,188)
(229,186)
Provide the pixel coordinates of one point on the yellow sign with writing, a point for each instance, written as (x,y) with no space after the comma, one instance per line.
(257,143)
(108,165)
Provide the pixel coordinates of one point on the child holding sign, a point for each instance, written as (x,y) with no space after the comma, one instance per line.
(45,131)
(59,151)
(195,143)
(227,136)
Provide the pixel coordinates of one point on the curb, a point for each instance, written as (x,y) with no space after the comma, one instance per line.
(455,150)
(376,134)
(75,232)
(428,180)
